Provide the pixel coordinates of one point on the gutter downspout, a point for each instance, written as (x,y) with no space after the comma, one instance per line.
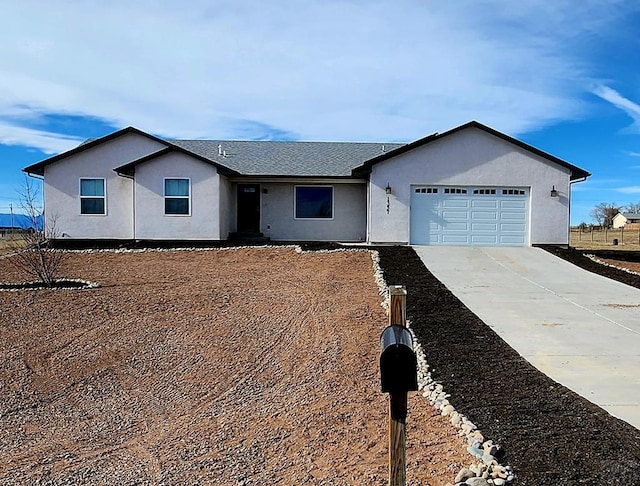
(368,209)
(44,214)
(582,179)
(133,209)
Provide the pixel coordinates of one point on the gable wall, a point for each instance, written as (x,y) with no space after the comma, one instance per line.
(62,189)
(470,157)
(150,221)
(619,220)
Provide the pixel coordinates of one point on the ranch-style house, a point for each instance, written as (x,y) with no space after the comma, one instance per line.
(471,185)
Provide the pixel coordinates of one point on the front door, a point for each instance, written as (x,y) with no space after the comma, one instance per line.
(248,208)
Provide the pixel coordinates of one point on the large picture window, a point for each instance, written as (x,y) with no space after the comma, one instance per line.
(177,196)
(92,198)
(314,202)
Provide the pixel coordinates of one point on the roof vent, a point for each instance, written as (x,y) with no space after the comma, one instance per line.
(383,149)
(220,151)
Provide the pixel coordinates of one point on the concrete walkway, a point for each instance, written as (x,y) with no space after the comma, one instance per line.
(580,329)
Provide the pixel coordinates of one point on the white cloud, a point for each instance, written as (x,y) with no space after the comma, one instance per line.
(48,142)
(629,190)
(629,107)
(331,70)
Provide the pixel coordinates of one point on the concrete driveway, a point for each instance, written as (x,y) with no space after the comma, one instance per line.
(580,329)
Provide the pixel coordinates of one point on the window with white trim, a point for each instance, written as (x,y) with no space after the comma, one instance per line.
(313,202)
(92,196)
(177,196)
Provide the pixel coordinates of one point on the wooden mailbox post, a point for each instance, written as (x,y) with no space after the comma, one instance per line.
(398,375)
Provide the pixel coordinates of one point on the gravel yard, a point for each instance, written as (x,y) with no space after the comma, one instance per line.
(260,366)
(230,367)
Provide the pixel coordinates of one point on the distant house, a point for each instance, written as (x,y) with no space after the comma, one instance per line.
(622,219)
(470,185)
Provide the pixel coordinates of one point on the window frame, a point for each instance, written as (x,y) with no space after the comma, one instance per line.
(103,197)
(313,186)
(165,197)
(455,191)
(485,191)
(426,190)
(514,191)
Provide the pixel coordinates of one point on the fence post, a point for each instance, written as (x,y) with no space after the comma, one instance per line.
(397,400)
(622,234)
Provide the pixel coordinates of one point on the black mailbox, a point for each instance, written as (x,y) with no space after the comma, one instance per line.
(398,363)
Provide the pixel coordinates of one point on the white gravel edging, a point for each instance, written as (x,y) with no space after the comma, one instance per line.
(37,285)
(488,467)
(296,248)
(597,260)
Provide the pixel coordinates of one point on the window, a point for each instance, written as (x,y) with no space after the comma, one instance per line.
(454,190)
(513,192)
(92,199)
(177,196)
(313,202)
(427,190)
(485,191)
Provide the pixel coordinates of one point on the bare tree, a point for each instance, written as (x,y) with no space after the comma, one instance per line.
(603,213)
(31,253)
(633,208)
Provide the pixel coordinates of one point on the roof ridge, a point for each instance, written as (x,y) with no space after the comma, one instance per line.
(282,141)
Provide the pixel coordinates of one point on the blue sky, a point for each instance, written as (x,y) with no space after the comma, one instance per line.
(563,76)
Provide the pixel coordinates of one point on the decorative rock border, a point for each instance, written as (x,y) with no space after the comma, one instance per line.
(296,248)
(487,470)
(597,260)
(71,284)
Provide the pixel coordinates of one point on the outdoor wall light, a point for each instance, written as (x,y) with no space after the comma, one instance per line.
(554,193)
(387,189)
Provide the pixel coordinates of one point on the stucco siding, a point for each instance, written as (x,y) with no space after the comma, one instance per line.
(470,157)
(226,207)
(152,223)
(348,222)
(62,189)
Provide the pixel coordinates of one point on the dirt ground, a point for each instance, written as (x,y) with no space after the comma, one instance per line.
(231,367)
(220,367)
(625,259)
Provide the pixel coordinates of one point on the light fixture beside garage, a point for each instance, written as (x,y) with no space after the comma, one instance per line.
(554,192)
(387,191)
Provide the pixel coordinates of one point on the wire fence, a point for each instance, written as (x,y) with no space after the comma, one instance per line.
(629,235)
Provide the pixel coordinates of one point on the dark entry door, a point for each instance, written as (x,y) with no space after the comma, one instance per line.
(248,208)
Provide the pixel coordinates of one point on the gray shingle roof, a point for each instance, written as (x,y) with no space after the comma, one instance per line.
(269,158)
(292,159)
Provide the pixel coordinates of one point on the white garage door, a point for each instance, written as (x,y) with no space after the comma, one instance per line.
(489,216)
